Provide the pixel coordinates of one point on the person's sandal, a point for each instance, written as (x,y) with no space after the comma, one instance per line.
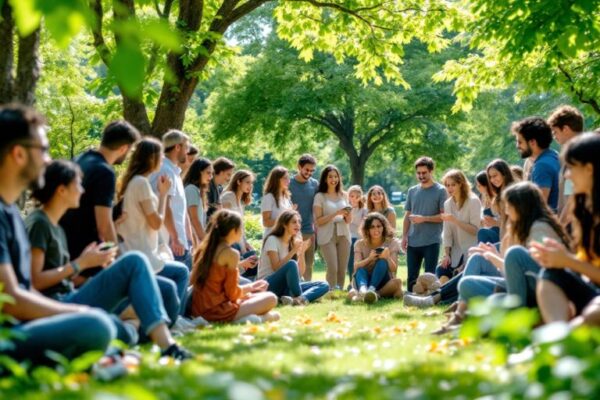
(451,308)
(176,352)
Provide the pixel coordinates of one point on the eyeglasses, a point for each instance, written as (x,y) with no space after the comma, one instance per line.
(44,148)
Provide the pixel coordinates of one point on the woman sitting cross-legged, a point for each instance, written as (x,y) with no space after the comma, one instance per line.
(282,262)
(376,261)
(128,279)
(529,219)
(217,295)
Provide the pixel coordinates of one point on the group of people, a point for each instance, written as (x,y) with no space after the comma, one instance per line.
(164,247)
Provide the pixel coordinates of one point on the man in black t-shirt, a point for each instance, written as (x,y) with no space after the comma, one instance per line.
(222,171)
(92,221)
(67,329)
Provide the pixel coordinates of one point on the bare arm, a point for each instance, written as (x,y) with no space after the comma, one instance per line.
(104,224)
(545,193)
(267,221)
(321,219)
(154,217)
(195,221)
(41,279)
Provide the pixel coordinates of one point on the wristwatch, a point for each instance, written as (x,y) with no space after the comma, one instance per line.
(76,267)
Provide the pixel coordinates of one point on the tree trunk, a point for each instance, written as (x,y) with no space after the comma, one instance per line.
(357,169)
(28,68)
(7,26)
(134,111)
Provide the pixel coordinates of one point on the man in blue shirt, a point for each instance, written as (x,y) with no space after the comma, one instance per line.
(303,188)
(534,136)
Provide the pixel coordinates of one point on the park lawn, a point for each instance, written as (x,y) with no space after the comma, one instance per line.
(331,349)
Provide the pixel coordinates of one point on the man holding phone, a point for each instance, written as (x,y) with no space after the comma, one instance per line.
(422,228)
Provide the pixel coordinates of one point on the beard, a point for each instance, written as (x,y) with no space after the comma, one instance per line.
(121,159)
(33,176)
(526,153)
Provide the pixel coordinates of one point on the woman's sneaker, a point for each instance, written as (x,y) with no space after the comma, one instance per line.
(286,301)
(371,296)
(411,300)
(176,352)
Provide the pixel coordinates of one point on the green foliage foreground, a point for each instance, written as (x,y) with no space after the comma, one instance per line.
(335,349)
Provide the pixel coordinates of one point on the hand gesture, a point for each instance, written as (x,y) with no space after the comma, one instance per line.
(177,247)
(447,217)
(163,184)
(248,263)
(550,254)
(385,253)
(404,244)
(416,219)
(373,255)
(489,222)
(92,256)
(446,261)
(259,286)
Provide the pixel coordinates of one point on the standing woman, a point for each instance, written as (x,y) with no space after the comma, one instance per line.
(236,197)
(499,177)
(276,197)
(462,212)
(196,183)
(358,214)
(332,217)
(570,282)
(377,201)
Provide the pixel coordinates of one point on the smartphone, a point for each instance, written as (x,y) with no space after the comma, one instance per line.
(379,250)
(488,212)
(347,208)
(106,246)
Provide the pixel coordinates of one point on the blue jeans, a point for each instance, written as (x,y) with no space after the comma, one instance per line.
(70,335)
(129,278)
(378,277)
(185,258)
(488,235)
(351,259)
(480,278)
(179,274)
(521,272)
(414,258)
(286,282)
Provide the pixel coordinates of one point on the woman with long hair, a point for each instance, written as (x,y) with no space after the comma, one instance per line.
(282,262)
(529,219)
(145,213)
(237,195)
(499,178)
(217,295)
(332,218)
(276,198)
(569,284)
(376,261)
(196,183)
(461,216)
(377,201)
(126,280)
(356,199)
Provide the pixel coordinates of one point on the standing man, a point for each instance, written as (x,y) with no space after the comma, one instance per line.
(566,122)
(222,171)
(422,228)
(44,324)
(303,188)
(534,137)
(93,220)
(177,225)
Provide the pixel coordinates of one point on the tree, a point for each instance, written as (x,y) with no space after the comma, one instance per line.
(17,82)
(545,46)
(158,51)
(288,103)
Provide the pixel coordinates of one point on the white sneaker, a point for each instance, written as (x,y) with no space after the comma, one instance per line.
(371,296)
(199,321)
(286,301)
(249,319)
(183,326)
(412,300)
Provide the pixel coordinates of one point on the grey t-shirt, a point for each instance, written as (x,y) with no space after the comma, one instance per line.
(303,194)
(426,202)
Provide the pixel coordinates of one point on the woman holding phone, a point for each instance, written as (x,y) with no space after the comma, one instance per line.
(332,217)
(376,261)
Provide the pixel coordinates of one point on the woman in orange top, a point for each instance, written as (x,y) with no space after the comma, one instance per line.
(217,295)
(562,293)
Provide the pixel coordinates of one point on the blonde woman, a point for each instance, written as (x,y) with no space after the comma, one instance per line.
(276,197)
(377,201)
(356,198)
(332,217)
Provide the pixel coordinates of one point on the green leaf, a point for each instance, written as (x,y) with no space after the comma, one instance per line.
(128,65)
(161,33)
(27,17)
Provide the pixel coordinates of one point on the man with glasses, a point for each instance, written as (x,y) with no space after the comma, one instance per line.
(41,324)
(422,228)
(93,220)
(177,225)
(303,188)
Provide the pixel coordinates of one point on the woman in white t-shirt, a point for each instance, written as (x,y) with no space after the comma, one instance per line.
(236,197)
(332,217)
(356,199)
(282,262)
(377,201)
(196,183)
(145,213)
(276,197)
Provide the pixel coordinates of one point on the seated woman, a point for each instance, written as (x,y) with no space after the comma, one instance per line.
(128,279)
(377,201)
(236,197)
(145,214)
(570,281)
(461,216)
(282,262)
(499,177)
(217,295)
(529,220)
(376,261)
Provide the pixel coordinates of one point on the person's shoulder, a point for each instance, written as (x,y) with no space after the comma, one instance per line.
(360,243)
(228,195)
(228,257)
(36,218)
(313,182)
(394,242)
(439,187)
(139,180)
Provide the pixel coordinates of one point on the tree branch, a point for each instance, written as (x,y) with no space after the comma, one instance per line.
(579,93)
(7,26)
(99,42)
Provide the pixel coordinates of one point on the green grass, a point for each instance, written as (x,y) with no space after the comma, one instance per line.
(331,349)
